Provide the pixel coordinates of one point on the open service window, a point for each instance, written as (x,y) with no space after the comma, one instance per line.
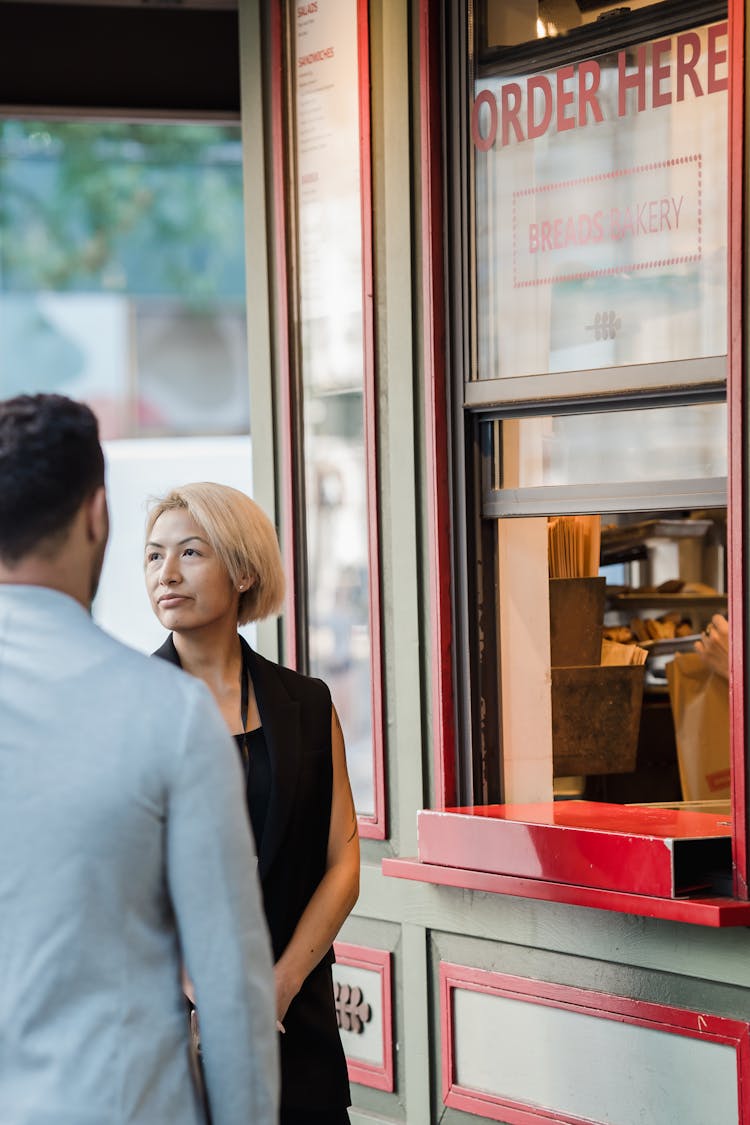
(598,755)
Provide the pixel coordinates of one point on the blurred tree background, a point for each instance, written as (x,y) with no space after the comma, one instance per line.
(117,207)
(122,272)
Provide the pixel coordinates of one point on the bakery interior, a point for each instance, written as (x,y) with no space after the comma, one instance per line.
(648,739)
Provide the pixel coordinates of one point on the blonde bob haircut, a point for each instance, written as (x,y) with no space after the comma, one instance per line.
(242,536)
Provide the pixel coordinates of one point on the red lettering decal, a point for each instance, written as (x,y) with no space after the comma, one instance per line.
(653,216)
(316,56)
(634,81)
(484,97)
(564,99)
(587,98)
(597,226)
(546,235)
(614,224)
(716,58)
(660,72)
(570,232)
(510,102)
(664,215)
(677,209)
(541,85)
(558,230)
(686,64)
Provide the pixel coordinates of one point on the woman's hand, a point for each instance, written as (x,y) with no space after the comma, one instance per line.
(714,645)
(335,894)
(286,990)
(187,986)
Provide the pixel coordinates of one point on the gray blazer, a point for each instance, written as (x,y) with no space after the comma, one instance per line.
(124,847)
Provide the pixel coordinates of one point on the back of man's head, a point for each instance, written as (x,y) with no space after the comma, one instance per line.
(51,461)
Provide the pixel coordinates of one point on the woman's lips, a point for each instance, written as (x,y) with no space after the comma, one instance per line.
(169,600)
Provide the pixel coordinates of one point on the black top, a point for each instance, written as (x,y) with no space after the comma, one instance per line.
(258,774)
(295,715)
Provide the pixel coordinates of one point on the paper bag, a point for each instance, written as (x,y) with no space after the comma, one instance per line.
(700,708)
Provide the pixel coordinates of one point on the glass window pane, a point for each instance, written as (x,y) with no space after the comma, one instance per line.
(122,284)
(329,214)
(509,23)
(600,209)
(671,443)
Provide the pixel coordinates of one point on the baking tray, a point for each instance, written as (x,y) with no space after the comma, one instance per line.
(621,544)
(664,646)
(641,600)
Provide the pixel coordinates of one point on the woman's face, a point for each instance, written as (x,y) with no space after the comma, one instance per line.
(187,583)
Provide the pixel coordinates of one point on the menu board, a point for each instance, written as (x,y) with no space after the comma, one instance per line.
(601,210)
(331,310)
(328,191)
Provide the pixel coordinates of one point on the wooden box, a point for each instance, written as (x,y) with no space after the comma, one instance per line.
(576,614)
(596,714)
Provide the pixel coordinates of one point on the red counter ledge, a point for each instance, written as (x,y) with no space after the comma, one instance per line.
(657,862)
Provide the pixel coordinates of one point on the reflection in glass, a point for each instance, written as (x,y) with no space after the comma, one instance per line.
(122,284)
(508,25)
(600,210)
(122,272)
(332,336)
(338,573)
(670,443)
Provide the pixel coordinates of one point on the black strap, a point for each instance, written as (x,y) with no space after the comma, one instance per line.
(244,705)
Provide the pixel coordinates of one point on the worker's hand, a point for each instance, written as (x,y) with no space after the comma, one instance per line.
(714,645)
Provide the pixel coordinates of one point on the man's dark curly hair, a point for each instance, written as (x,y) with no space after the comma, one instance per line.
(50,462)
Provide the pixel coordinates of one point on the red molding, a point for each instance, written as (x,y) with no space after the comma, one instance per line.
(283,364)
(717,912)
(602,1005)
(737,483)
(436,406)
(370,826)
(663,853)
(373,960)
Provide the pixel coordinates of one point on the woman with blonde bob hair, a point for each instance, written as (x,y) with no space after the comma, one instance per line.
(212,564)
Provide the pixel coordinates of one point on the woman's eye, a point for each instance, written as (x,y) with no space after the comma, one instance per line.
(190,551)
(152,557)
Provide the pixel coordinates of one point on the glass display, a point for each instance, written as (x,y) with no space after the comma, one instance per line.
(331,307)
(601,209)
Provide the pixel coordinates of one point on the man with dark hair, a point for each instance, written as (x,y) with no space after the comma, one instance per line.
(125,849)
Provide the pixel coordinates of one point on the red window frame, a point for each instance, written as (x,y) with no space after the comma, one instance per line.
(706,911)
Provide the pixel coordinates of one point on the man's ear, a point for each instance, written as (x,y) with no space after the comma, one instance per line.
(97,516)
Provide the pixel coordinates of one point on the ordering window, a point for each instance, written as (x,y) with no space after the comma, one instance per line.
(594,459)
(608,557)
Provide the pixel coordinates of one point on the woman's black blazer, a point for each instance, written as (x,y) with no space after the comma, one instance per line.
(295,713)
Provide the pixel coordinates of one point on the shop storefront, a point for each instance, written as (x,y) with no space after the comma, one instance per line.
(496,326)
(508,270)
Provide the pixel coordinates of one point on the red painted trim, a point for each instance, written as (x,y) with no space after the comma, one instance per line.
(625,848)
(283,363)
(602,1005)
(436,405)
(737,484)
(377,960)
(716,912)
(371,826)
